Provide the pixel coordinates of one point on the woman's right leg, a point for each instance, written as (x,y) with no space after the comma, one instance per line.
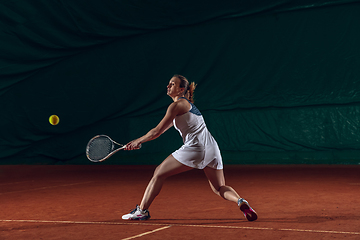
(170,166)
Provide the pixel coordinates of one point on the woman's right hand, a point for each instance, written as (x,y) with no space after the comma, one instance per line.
(133,145)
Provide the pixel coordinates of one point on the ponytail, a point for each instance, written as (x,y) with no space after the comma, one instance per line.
(189,88)
(190,91)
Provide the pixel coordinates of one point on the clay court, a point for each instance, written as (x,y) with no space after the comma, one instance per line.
(87,202)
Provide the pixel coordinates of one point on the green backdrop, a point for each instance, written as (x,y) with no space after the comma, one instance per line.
(278,81)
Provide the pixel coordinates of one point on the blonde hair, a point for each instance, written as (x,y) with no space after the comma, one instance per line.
(189,88)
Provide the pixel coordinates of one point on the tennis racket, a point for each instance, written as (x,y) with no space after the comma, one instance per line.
(101,147)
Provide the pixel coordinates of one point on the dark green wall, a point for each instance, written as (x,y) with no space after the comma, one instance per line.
(278,82)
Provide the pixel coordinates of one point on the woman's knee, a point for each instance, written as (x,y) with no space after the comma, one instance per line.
(216,189)
(158,174)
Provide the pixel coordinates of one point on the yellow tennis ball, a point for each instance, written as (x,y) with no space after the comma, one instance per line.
(54,120)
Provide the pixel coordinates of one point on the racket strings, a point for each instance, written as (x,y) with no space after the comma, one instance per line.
(99,148)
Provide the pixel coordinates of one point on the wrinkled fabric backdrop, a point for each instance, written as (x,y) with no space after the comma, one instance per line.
(278,81)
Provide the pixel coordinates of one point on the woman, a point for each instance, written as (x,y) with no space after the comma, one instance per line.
(200,150)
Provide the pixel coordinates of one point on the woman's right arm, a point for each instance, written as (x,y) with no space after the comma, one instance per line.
(162,127)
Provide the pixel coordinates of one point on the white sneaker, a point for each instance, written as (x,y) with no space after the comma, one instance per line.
(137,214)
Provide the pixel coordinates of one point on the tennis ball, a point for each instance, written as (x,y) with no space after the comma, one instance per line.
(54,120)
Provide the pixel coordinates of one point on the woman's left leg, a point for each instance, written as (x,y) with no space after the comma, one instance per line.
(217,183)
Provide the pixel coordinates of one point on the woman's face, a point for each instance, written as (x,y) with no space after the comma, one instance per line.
(173,88)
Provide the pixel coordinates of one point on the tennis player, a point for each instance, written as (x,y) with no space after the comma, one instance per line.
(200,151)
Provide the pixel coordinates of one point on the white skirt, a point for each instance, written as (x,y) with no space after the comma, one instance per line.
(199,157)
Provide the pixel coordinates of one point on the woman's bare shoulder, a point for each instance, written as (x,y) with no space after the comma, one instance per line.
(181,106)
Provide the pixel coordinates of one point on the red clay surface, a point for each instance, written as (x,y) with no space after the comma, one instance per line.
(87,202)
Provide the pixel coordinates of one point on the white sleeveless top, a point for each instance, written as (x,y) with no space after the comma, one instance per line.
(200,148)
(192,127)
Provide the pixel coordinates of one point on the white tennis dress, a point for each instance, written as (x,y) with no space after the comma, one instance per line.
(200,148)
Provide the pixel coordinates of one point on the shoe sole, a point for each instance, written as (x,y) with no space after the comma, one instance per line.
(140,219)
(249,213)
